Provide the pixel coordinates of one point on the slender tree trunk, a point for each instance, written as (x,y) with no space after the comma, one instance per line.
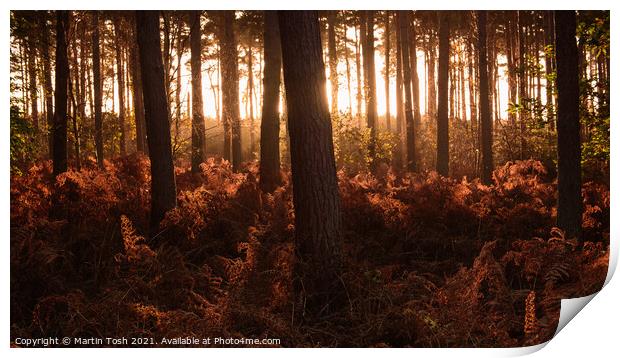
(415,81)
(432,83)
(333,59)
(569,147)
(163,187)
(318,224)
(486,123)
(97,86)
(198,121)
(443,136)
(403,23)
(60,105)
(230,90)
(120,77)
(512,84)
(399,96)
(250,95)
(270,123)
(138,99)
(549,38)
(522,84)
(177,92)
(358,74)
(368,48)
(346,59)
(32,86)
(386,41)
(47,78)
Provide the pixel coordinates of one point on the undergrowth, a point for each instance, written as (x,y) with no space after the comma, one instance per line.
(430,261)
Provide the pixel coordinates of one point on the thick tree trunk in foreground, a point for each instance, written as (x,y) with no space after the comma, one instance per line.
(443,154)
(60,104)
(163,188)
(409,122)
(569,147)
(270,122)
(198,121)
(230,89)
(486,124)
(97,94)
(316,199)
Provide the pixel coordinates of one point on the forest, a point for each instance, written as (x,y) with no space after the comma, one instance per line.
(350,178)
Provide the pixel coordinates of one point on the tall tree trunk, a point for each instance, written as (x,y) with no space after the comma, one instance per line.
(432,83)
(510,58)
(179,74)
(47,78)
(97,86)
(348,64)
(386,41)
(270,122)
(549,38)
(486,123)
(318,223)
(443,149)
(403,23)
(198,121)
(120,77)
(74,90)
(251,95)
(333,59)
(60,104)
(415,81)
(569,147)
(368,48)
(230,89)
(163,187)
(358,74)
(399,96)
(522,84)
(138,98)
(32,85)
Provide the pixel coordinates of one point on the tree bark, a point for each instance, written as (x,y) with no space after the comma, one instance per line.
(399,97)
(318,223)
(60,104)
(333,59)
(270,122)
(120,77)
(163,187)
(32,79)
(386,41)
(486,123)
(443,145)
(138,98)
(230,89)
(47,79)
(415,81)
(198,121)
(97,86)
(569,146)
(403,23)
(368,48)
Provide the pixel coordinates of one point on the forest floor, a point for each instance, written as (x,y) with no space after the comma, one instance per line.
(430,261)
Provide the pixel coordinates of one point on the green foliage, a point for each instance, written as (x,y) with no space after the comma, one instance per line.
(23,143)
